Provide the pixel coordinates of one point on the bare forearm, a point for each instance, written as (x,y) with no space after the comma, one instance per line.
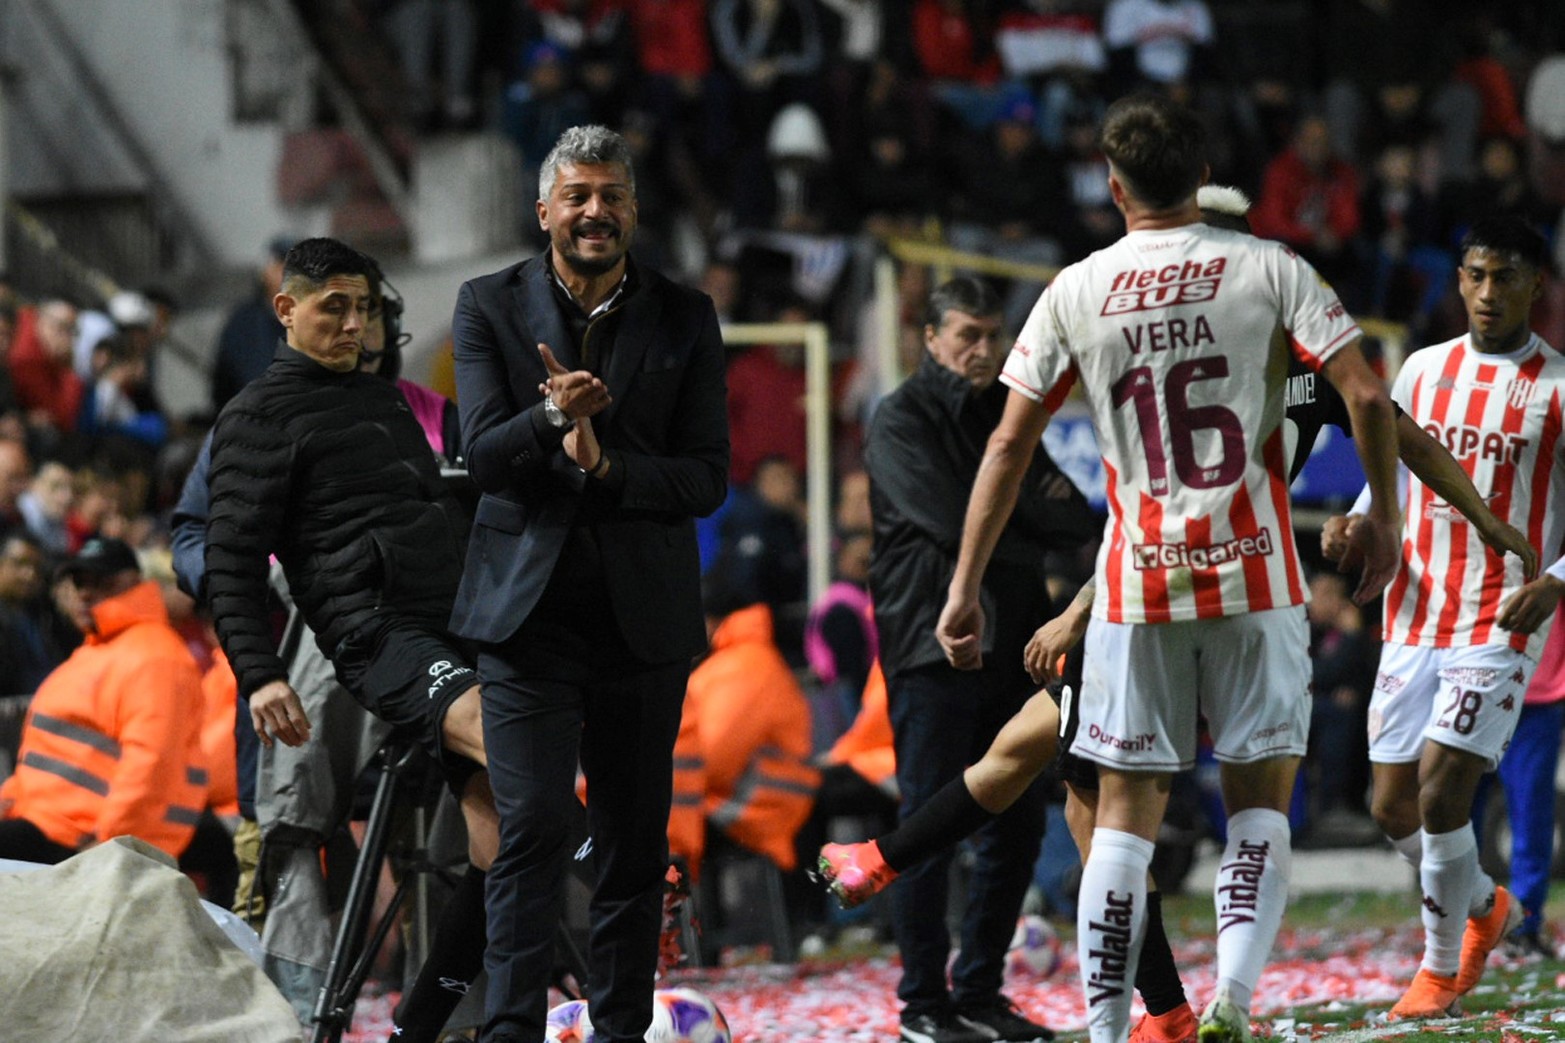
(1375,438)
(1438,469)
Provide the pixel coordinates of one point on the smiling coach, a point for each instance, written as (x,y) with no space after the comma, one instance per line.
(594,409)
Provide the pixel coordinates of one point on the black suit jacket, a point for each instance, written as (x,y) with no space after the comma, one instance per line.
(665,433)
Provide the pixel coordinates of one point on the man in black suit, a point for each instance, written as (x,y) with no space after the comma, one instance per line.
(593,407)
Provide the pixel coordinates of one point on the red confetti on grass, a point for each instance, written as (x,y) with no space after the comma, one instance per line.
(855,1002)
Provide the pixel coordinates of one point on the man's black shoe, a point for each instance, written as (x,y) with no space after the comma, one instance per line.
(999,1019)
(1527,945)
(941,1028)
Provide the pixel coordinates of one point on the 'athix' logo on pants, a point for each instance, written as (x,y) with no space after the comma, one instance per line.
(444,672)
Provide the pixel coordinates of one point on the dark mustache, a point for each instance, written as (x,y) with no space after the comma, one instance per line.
(596,227)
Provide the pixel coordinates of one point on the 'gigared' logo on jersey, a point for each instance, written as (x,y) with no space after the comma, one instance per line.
(1185,555)
(1144,288)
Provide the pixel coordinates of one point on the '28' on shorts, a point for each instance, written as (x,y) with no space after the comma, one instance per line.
(1468,698)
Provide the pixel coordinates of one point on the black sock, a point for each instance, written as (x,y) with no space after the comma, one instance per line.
(949,816)
(1157,979)
(456,955)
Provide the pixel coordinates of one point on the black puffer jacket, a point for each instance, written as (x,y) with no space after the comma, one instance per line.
(332,474)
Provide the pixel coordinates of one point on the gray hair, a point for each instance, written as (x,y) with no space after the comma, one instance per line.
(589,144)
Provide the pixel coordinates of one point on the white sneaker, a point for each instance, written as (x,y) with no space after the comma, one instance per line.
(1224,1022)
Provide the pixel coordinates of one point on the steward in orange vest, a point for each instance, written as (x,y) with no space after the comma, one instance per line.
(744,740)
(866,746)
(220,691)
(111,744)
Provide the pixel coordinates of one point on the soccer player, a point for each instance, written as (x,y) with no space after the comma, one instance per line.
(1027,744)
(1464,625)
(1201,605)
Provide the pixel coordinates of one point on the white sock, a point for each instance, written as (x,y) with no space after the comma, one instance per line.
(1449,874)
(1411,848)
(1483,893)
(1111,915)
(1251,895)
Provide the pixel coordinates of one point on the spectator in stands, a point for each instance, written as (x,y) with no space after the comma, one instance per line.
(892,180)
(674,55)
(1398,240)
(956,55)
(766,399)
(251,331)
(539,107)
(415,27)
(1309,200)
(856,38)
(16,474)
(46,505)
(1097,222)
(840,641)
(595,38)
(98,507)
(1500,113)
(47,386)
(762,540)
(794,187)
(720,281)
(1387,69)
(112,741)
(1012,201)
(1055,47)
(1343,653)
(124,311)
(1501,187)
(1163,44)
(31,631)
(771,51)
(119,381)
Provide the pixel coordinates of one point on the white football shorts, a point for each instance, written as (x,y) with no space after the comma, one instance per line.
(1468,698)
(1145,684)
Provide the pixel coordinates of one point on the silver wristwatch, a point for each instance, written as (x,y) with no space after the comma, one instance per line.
(554,414)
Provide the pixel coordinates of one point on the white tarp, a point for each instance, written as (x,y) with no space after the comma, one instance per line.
(114,944)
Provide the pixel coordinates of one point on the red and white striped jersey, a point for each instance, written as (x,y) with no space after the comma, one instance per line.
(1171,335)
(1500,416)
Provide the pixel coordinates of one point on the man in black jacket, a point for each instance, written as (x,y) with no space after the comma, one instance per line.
(325,467)
(922,453)
(594,414)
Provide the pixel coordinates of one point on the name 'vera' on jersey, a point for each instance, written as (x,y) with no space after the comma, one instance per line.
(1500,416)
(1171,334)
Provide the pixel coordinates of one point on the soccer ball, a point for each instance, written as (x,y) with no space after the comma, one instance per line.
(567,1023)
(686,1016)
(1035,949)
(678,1016)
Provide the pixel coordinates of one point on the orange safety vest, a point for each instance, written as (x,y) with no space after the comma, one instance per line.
(867,745)
(751,737)
(112,740)
(220,692)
